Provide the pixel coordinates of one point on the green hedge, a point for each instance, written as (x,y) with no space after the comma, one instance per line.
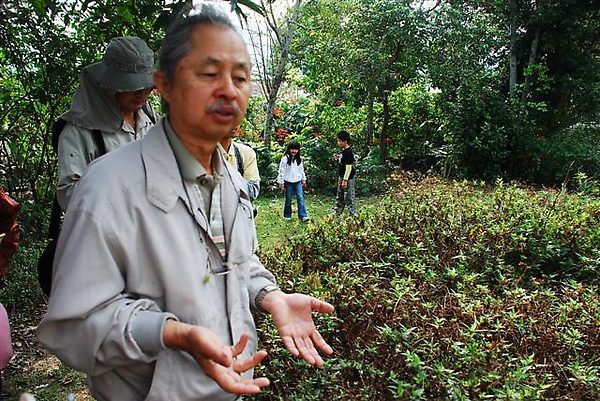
(449,291)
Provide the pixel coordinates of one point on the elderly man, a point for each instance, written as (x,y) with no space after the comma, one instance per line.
(155,274)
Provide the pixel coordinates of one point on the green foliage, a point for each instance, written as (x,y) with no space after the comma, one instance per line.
(415,121)
(20,290)
(315,126)
(568,153)
(255,119)
(479,133)
(475,127)
(536,234)
(468,291)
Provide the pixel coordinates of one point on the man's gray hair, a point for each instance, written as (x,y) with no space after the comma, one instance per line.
(177,42)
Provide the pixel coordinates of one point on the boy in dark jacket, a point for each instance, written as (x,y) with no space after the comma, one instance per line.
(345,183)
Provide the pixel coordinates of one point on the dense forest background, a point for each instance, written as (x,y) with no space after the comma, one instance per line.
(477,89)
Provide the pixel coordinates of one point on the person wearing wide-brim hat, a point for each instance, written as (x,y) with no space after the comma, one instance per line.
(112,98)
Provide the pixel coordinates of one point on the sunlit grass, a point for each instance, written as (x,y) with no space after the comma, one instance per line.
(271,228)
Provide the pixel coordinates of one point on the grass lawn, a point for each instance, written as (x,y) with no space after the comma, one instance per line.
(271,228)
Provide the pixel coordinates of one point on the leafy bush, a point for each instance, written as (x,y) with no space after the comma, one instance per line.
(449,291)
(567,153)
(415,121)
(20,290)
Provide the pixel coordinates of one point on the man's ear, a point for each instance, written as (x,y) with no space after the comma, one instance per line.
(162,84)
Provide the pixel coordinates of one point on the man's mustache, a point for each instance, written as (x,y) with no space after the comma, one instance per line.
(224,107)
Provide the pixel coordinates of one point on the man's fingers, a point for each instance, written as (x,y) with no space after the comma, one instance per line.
(248,386)
(311,354)
(236,385)
(262,382)
(321,345)
(242,366)
(304,345)
(229,378)
(321,306)
(238,348)
(308,349)
(290,345)
(303,348)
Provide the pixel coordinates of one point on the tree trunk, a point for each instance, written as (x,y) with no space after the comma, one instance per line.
(532,59)
(269,124)
(383,137)
(370,123)
(514,8)
(277,78)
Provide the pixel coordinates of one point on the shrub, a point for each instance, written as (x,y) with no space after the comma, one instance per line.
(449,291)
(567,153)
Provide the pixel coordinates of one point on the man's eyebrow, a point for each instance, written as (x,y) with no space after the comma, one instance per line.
(215,61)
(210,61)
(243,65)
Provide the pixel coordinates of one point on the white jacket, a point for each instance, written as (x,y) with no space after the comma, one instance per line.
(290,172)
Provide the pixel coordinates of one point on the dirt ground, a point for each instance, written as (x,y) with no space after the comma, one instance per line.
(31,359)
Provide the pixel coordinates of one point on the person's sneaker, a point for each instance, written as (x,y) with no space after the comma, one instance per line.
(305,219)
(287,218)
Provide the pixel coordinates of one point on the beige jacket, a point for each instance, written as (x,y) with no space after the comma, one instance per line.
(130,255)
(77,149)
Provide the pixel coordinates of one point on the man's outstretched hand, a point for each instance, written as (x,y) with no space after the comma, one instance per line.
(292,315)
(217,360)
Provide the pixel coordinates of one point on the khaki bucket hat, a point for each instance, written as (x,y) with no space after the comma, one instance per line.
(127,65)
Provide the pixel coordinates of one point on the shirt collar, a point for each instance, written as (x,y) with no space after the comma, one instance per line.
(229,154)
(142,120)
(190,169)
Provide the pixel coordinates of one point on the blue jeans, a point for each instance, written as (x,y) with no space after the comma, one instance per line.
(290,188)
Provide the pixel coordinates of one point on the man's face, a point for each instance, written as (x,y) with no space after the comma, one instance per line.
(133,101)
(209,95)
(341,144)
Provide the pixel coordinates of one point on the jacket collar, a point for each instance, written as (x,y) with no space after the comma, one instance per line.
(163,180)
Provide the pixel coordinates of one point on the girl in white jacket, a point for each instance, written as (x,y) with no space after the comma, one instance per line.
(291,178)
